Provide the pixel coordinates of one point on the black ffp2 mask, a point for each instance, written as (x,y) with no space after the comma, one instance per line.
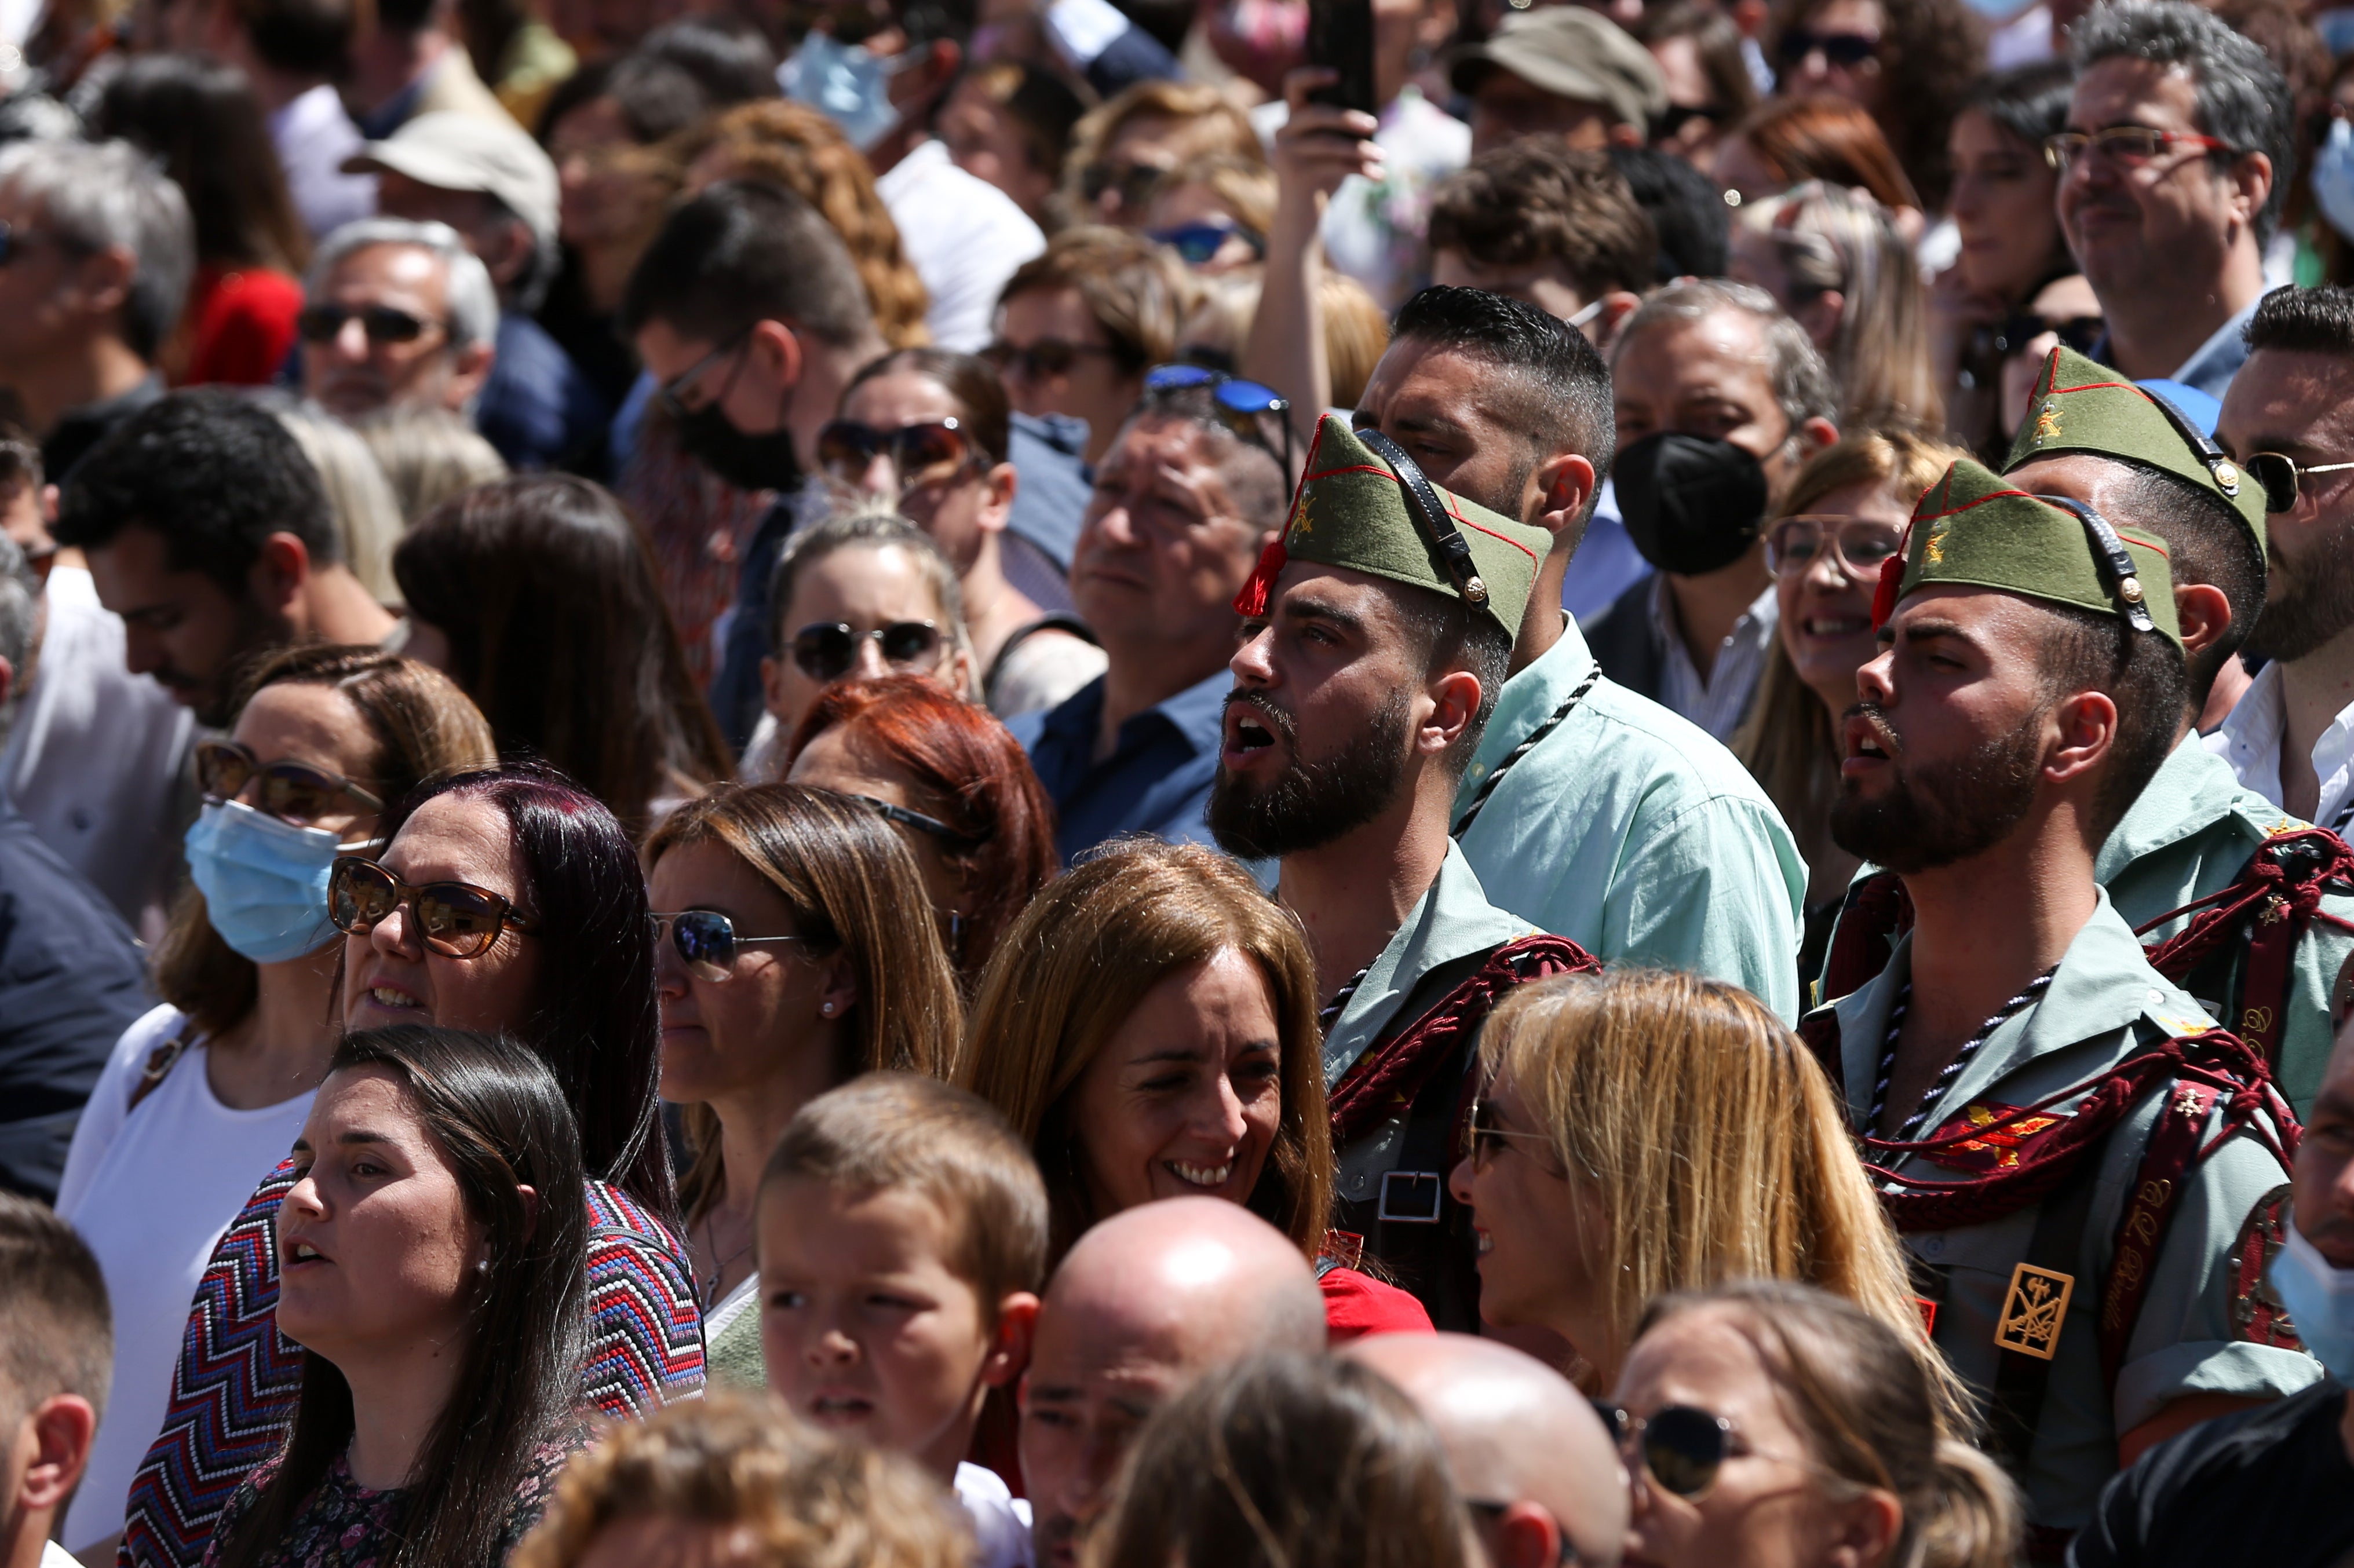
(748,462)
(1691,503)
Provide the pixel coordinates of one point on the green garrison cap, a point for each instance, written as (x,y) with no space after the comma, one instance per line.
(1971,528)
(2081,406)
(1364,505)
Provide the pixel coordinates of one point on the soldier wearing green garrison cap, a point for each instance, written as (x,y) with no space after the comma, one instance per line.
(2192,842)
(1376,633)
(2053,1125)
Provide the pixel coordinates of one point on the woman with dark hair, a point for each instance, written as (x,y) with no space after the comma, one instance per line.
(434,1243)
(790,961)
(1698,51)
(1148,1027)
(957,785)
(925,431)
(1980,307)
(507,901)
(536,595)
(205,123)
(1905,62)
(203,1094)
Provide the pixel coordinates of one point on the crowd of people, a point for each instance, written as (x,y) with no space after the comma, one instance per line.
(1024,785)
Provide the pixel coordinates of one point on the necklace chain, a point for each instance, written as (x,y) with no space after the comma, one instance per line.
(709,1289)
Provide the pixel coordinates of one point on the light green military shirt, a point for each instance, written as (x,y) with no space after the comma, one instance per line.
(2104,1002)
(2190,833)
(1451,924)
(1635,834)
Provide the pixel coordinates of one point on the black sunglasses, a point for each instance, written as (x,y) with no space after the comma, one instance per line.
(1682,1447)
(707,941)
(1676,116)
(1846,49)
(13,241)
(930,453)
(1237,404)
(918,821)
(2079,332)
(1133,181)
(456,920)
(292,791)
(826,651)
(1049,357)
(2279,476)
(382,323)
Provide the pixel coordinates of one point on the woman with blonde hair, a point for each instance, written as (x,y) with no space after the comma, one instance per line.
(1120,151)
(1644,1131)
(1766,1422)
(1834,258)
(1148,1027)
(1844,514)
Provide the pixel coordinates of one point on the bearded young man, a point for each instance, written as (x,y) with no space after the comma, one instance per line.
(2085,1170)
(1376,633)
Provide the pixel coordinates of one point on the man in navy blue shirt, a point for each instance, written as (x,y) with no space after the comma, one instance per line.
(1183,502)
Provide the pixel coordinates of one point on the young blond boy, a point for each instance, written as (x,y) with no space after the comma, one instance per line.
(901,1232)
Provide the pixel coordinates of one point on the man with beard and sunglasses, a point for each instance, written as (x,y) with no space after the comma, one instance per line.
(2084,1168)
(1376,632)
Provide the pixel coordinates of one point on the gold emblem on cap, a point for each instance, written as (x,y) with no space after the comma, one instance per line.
(2129,590)
(2047,422)
(2034,1310)
(2227,477)
(1475,591)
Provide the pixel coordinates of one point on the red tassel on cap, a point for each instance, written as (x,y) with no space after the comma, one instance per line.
(1252,601)
(1883,596)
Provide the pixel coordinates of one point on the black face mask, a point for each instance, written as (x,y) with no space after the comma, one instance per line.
(748,462)
(1691,503)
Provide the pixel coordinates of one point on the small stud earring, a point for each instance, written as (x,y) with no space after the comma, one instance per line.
(827,1009)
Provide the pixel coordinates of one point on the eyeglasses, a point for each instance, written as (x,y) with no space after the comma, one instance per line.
(667,394)
(1858,544)
(918,821)
(1682,1447)
(1198,244)
(1237,404)
(1134,182)
(1488,1127)
(924,454)
(456,920)
(2279,475)
(1047,358)
(1847,50)
(292,791)
(2079,332)
(14,240)
(382,323)
(826,651)
(707,941)
(2130,145)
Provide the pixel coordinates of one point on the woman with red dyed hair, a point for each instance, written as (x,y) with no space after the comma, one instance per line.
(955,783)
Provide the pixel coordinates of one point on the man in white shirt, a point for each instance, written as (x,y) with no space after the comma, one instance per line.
(292,51)
(53,1382)
(2291,737)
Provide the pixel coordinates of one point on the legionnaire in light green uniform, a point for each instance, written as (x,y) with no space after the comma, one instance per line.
(2087,1268)
(1360,627)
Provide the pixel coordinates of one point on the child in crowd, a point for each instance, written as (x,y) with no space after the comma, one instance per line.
(902,1241)
(54,1364)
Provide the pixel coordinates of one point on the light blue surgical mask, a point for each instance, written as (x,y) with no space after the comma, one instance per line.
(264,879)
(850,83)
(2333,177)
(2320,1302)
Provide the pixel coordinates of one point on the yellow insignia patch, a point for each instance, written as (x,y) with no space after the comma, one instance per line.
(1933,553)
(2047,422)
(2033,1312)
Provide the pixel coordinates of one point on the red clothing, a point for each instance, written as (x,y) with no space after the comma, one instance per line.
(1356,1305)
(244,325)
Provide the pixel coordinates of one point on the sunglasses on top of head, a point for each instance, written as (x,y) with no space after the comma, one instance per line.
(827,649)
(1235,403)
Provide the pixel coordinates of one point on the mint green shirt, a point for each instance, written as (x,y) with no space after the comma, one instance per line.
(2104,1004)
(1634,834)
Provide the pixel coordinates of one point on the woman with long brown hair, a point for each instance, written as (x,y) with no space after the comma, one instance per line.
(1149,1025)
(793,954)
(1641,1131)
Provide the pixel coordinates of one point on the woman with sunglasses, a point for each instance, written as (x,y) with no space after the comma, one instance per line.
(956,785)
(1767,1422)
(924,432)
(203,1094)
(864,593)
(509,902)
(1845,513)
(1905,62)
(1214,213)
(1647,1130)
(786,965)
(1149,1025)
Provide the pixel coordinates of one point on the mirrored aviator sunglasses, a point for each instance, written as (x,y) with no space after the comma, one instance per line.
(706,940)
(921,454)
(2280,474)
(826,651)
(456,920)
(1681,1447)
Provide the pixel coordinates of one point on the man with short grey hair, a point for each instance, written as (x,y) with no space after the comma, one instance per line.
(94,270)
(397,313)
(1719,398)
(2177,155)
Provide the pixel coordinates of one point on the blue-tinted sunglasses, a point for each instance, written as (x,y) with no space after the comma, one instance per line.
(1237,404)
(1197,244)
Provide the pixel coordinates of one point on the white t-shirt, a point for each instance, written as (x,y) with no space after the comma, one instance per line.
(963,236)
(151,1191)
(999,1520)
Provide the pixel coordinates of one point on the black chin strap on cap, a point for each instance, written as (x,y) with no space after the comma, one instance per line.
(2117,565)
(1438,526)
(2218,461)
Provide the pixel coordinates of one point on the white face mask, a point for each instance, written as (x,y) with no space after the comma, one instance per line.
(2320,1302)
(2333,177)
(851,85)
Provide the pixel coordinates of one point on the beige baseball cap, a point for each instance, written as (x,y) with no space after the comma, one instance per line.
(470,153)
(1570,52)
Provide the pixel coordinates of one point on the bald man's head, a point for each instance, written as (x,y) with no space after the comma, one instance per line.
(1517,1434)
(1145,1302)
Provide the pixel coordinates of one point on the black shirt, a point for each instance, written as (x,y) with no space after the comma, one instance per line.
(2271,1486)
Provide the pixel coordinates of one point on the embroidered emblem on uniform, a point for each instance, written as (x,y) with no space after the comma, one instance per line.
(2275,910)
(1997,1150)
(2258,1316)
(2034,1310)
(2047,422)
(1303,523)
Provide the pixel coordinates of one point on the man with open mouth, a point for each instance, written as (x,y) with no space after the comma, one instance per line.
(1376,633)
